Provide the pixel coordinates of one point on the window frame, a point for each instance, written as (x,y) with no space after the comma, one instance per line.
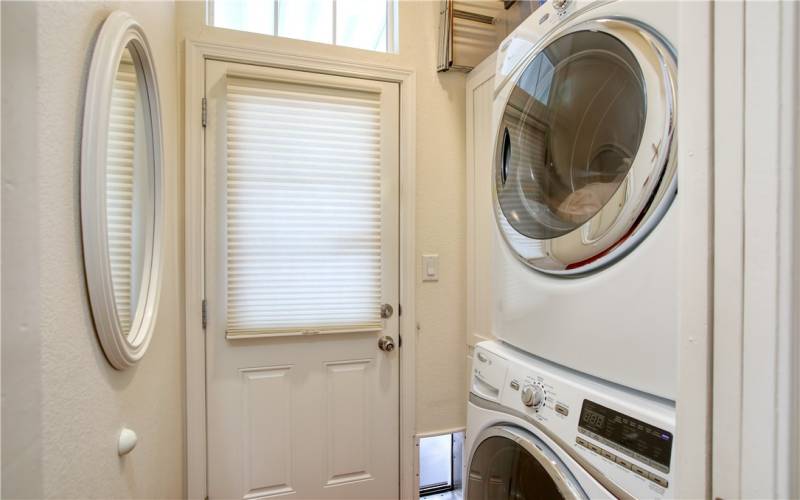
(391,26)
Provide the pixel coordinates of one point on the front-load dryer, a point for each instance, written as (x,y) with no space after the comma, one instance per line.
(584,179)
(536,430)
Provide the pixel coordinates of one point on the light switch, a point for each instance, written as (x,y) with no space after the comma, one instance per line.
(430,267)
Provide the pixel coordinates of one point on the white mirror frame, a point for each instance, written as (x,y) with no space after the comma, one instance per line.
(122,349)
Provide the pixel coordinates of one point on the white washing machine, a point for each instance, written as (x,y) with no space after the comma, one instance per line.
(536,430)
(584,182)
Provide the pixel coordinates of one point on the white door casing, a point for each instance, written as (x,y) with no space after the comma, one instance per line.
(315,416)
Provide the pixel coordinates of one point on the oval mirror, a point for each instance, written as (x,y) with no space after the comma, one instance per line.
(121,190)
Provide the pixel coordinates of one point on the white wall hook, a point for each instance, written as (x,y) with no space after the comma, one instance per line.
(127,441)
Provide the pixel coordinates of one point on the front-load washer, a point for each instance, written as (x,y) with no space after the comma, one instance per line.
(584,259)
(536,430)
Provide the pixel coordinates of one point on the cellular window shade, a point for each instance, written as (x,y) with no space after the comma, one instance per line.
(303,209)
(119,186)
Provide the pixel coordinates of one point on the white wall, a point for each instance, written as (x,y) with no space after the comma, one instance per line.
(441,399)
(63,404)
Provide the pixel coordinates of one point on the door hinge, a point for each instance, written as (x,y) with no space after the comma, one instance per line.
(204,112)
(399,309)
(205,313)
(399,341)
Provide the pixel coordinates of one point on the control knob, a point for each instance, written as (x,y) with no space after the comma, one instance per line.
(560,5)
(532,396)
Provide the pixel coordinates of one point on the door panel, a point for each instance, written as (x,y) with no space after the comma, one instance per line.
(311,411)
(348,413)
(267,424)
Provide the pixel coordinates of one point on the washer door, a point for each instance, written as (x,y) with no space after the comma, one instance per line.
(510,463)
(585,155)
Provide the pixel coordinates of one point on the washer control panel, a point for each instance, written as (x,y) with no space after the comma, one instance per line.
(517,46)
(560,5)
(625,436)
(533,396)
(622,462)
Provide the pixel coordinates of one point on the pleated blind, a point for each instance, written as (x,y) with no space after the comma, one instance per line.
(303,209)
(119,185)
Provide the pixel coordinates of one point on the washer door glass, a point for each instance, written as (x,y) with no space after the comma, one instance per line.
(584,157)
(512,464)
(571,129)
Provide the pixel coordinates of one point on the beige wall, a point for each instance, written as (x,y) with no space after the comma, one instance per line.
(63,404)
(441,399)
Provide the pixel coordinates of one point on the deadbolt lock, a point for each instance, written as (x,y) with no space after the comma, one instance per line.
(386,311)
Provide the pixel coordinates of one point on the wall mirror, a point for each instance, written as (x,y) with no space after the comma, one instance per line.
(122,190)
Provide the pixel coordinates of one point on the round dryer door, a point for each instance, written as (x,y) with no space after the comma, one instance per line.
(510,463)
(585,155)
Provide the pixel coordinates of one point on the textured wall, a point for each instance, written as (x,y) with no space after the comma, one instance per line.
(63,404)
(441,224)
(441,350)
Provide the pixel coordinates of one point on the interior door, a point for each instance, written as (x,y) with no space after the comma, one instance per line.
(302,223)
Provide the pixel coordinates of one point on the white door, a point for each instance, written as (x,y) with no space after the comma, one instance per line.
(302,224)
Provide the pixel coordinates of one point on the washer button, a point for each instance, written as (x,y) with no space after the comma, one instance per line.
(563,410)
(640,471)
(624,463)
(659,480)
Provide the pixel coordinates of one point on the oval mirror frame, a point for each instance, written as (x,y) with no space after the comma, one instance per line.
(122,348)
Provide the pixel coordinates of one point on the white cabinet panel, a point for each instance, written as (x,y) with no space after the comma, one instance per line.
(480,221)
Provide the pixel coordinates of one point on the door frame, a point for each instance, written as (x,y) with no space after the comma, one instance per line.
(196,54)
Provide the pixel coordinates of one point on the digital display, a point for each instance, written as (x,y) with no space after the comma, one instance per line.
(632,435)
(593,419)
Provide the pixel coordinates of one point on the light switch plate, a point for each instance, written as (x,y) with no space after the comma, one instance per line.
(430,267)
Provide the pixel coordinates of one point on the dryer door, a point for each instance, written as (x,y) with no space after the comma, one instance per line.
(585,153)
(510,463)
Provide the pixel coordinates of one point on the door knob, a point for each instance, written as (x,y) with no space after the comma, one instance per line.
(386,343)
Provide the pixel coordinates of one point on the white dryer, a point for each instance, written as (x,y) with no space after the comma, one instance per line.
(584,181)
(536,430)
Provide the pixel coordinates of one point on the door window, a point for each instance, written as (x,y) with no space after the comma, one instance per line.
(304,221)
(571,129)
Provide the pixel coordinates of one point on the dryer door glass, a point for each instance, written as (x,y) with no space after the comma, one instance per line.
(502,467)
(571,129)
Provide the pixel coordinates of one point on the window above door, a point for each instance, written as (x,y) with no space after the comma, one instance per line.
(361,24)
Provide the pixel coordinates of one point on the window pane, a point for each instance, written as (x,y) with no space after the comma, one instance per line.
(573,121)
(245,15)
(306,19)
(361,24)
(303,208)
(435,460)
(501,469)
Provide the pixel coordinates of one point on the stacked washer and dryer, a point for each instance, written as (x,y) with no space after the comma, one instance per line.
(576,399)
